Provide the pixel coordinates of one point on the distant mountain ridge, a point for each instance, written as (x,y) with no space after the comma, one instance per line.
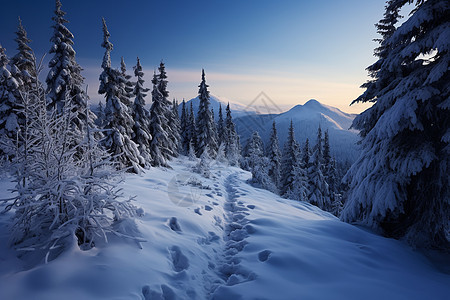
(306,119)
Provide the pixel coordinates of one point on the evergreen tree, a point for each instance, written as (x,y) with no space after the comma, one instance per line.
(274,156)
(141,116)
(176,127)
(118,121)
(306,155)
(10,103)
(220,126)
(160,147)
(166,105)
(184,127)
(400,183)
(129,86)
(290,160)
(100,121)
(22,64)
(252,152)
(318,187)
(232,145)
(192,129)
(206,135)
(64,80)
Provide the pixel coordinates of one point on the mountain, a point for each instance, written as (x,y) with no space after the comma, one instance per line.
(306,120)
(238,110)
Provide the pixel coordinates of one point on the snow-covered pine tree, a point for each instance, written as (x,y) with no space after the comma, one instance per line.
(118,121)
(184,128)
(274,155)
(10,103)
(100,121)
(160,146)
(166,106)
(400,183)
(220,126)
(141,116)
(22,64)
(64,78)
(176,127)
(129,86)
(293,177)
(318,187)
(253,152)
(192,129)
(331,176)
(306,155)
(232,144)
(206,135)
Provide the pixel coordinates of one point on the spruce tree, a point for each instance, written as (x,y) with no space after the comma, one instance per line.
(118,120)
(400,183)
(22,64)
(160,150)
(141,116)
(253,152)
(232,144)
(169,126)
(220,126)
(176,128)
(192,129)
(318,187)
(274,156)
(64,78)
(10,104)
(184,127)
(290,160)
(129,85)
(204,123)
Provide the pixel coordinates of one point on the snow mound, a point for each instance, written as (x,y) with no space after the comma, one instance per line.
(245,243)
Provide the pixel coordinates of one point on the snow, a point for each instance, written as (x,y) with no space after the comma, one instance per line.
(221,238)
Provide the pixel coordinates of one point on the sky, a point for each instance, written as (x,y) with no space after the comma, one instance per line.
(292,51)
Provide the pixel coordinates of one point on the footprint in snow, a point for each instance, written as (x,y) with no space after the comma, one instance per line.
(174,225)
(264,255)
(179,261)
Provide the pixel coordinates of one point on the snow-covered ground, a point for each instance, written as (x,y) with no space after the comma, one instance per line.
(221,238)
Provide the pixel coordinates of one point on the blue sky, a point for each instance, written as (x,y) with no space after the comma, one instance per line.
(291,50)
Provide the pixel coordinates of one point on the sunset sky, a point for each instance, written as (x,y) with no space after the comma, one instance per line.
(291,50)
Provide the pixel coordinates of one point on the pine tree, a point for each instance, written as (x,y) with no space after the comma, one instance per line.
(318,187)
(204,122)
(331,177)
(129,86)
(400,183)
(232,144)
(100,115)
(141,116)
(118,121)
(252,152)
(290,160)
(160,145)
(22,64)
(176,127)
(10,103)
(184,127)
(274,156)
(192,129)
(64,80)
(220,127)
(166,106)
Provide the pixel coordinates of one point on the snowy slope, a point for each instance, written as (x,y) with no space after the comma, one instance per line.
(306,119)
(221,238)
